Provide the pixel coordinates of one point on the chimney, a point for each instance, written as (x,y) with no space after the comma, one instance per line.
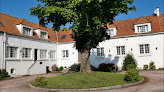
(156,11)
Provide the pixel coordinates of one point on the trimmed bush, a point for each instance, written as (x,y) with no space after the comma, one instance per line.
(129,59)
(3,74)
(40,81)
(131,66)
(132,75)
(151,65)
(54,68)
(145,67)
(61,68)
(110,67)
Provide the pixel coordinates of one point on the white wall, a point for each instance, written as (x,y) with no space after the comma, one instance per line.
(73,54)
(131,46)
(22,66)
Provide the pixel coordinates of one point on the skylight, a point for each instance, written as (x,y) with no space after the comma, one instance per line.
(63,37)
(1,24)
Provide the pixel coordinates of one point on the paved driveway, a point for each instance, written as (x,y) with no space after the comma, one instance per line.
(154,82)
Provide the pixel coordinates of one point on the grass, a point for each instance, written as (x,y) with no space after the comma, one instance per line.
(79,81)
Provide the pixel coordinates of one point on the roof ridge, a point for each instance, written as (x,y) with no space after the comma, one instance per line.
(134,18)
(10,16)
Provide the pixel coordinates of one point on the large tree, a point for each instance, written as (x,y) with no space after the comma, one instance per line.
(89,18)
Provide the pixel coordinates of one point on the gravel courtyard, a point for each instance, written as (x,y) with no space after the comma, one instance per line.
(154,82)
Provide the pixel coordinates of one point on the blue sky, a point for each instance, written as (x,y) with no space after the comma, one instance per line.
(21,9)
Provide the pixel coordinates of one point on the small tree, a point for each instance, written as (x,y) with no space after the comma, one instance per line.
(151,65)
(129,59)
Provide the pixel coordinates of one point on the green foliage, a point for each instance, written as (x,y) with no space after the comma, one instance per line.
(132,75)
(131,66)
(87,17)
(161,68)
(151,65)
(54,68)
(3,74)
(40,81)
(145,67)
(110,67)
(61,68)
(129,59)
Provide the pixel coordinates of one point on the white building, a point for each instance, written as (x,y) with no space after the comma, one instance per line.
(27,48)
(143,37)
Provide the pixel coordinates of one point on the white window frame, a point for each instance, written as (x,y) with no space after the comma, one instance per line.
(52,54)
(14,52)
(111,31)
(26,53)
(144,49)
(43,54)
(45,36)
(100,52)
(28,31)
(121,50)
(65,54)
(139,26)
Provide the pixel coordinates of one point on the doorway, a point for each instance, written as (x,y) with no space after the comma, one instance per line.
(35,54)
(47,69)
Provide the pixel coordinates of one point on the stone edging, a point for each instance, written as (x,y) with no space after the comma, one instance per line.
(88,89)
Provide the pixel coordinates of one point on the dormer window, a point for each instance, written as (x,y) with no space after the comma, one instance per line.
(26,31)
(142,28)
(111,31)
(43,35)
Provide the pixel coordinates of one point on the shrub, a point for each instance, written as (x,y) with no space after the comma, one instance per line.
(132,75)
(54,68)
(151,65)
(131,66)
(110,67)
(77,68)
(61,68)
(40,81)
(3,74)
(145,67)
(129,59)
(102,67)
(161,68)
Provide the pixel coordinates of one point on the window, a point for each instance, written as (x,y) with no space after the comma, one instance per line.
(12,71)
(142,29)
(65,54)
(26,31)
(11,52)
(43,54)
(120,50)
(26,53)
(43,35)
(52,54)
(144,49)
(110,32)
(100,51)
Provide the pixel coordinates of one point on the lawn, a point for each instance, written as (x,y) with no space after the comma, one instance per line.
(79,81)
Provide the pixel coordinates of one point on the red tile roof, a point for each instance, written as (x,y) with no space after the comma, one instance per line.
(124,27)
(10,23)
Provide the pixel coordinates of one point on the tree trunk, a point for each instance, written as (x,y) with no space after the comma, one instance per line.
(85,62)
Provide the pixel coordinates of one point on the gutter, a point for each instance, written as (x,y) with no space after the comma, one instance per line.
(4,50)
